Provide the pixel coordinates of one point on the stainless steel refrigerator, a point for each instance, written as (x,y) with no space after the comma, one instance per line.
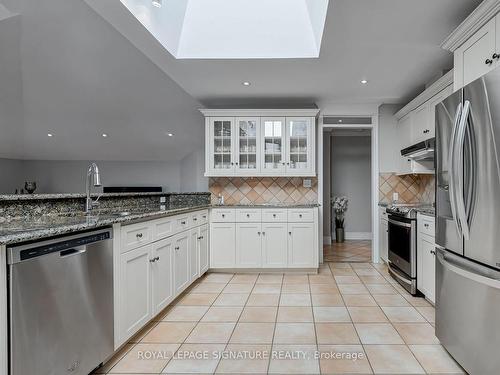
(468,225)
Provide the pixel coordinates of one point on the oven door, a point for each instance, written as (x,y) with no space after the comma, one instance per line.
(402,244)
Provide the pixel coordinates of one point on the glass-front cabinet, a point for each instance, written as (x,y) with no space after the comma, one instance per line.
(260,145)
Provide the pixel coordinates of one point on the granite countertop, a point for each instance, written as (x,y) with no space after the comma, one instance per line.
(429,211)
(267,205)
(31,229)
(28,197)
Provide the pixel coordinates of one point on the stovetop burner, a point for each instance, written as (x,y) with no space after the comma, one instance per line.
(408,210)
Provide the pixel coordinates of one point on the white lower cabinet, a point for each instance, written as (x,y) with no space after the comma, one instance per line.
(203,256)
(194,260)
(248,245)
(426,257)
(383,232)
(274,245)
(162,288)
(222,245)
(300,238)
(181,262)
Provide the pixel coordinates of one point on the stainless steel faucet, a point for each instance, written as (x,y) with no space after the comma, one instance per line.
(93,178)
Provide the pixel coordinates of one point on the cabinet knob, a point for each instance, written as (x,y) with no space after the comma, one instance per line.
(139,235)
(258,233)
(248,215)
(183,222)
(300,215)
(290,233)
(176,248)
(223,215)
(195,219)
(263,233)
(232,163)
(433,252)
(236,163)
(274,215)
(488,61)
(496,56)
(283,163)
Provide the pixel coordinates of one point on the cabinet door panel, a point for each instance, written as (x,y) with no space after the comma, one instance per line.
(193,254)
(383,240)
(162,287)
(247,155)
(181,262)
(203,249)
(135,291)
(248,245)
(274,245)
(420,124)
(221,147)
(404,137)
(428,269)
(222,245)
(273,145)
(300,245)
(299,145)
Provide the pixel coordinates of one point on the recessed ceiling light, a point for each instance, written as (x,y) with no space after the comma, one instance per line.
(49,135)
(340,120)
(364,81)
(246,83)
(104,135)
(156,3)
(170,134)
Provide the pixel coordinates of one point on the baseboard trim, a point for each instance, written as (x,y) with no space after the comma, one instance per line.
(327,240)
(356,236)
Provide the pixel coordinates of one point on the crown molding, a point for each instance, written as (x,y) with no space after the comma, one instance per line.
(432,90)
(477,19)
(306,112)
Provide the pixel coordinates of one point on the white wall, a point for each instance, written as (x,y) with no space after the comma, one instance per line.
(388,141)
(351,176)
(326,185)
(192,168)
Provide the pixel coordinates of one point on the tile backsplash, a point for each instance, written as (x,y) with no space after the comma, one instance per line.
(251,190)
(411,188)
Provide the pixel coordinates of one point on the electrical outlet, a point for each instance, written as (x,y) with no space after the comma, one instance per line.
(307,182)
(395,197)
(163,199)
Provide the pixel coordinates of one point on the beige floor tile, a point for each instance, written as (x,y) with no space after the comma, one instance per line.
(416,301)
(417,333)
(238,288)
(218,277)
(244,278)
(435,359)
(361,265)
(324,289)
(141,359)
(295,300)
(367,314)
(359,300)
(186,362)
(327,300)
(305,363)
(343,272)
(381,289)
(231,299)
(366,271)
(347,279)
(185,314)
(373,279)
(353,289)
(270,278)
(403,315)
(331,314)
(253,314)
(194,299)
(294,315)
(244,359)
(352,360)
(428,312)
(294,333)
(335,265)
(263,300)
(321,279)
(295,279)
(295,288)
(378,333)
(392,359)
(208,287)
(391,300)
(267,289)
(211,333)
(143,332)
(253,333)
(222,314)
(114,360)
(169,332)
(336,333)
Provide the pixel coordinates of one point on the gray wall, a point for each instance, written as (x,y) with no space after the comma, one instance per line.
(12,175)
(351,176)
(326,184)
(192,168)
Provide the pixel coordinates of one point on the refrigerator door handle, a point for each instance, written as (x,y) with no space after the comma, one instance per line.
(460,196)
(451,168)
(468,270)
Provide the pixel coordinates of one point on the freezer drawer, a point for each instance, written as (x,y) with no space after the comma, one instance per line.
(467,312)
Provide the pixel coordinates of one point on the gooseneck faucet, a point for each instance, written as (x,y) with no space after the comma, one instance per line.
(93,178)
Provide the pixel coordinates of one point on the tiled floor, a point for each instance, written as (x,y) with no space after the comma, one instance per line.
(352,314)
(348,251)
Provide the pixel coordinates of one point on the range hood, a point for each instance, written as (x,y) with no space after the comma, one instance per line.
(422,151)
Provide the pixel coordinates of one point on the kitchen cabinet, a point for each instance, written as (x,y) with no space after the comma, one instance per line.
(252,143)
(248,245)
(274,245)
(181,262)
(203,257)
(194,262)
(404,132)
(300,238)
(161,273)
(426,256)
(383,228)
(421,124)
(222,245)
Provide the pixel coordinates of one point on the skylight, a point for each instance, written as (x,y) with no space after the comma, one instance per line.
(234,29)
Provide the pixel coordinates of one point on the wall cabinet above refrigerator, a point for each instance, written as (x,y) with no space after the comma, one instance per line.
(260,143)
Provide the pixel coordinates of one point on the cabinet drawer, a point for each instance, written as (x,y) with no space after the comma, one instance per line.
(253,215)
(163,228)
(202,217)
(220,215)
(274,216)
(382,213)
(181,223)
(135,235)
(426,225)
(304,215)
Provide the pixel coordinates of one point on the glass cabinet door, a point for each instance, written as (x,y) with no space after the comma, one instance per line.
(248,156)
(299,131)
(273,145)
(221,145)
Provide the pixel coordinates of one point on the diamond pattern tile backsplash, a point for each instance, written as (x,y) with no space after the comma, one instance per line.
(241,190)
(411,188)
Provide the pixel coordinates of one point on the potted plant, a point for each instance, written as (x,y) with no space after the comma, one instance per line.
(339,205)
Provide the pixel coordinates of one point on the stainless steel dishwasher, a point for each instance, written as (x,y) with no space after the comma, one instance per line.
(61,304)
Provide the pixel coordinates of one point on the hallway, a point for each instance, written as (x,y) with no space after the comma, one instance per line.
(348,251)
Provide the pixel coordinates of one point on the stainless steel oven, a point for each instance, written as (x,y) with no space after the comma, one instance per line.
(403,250)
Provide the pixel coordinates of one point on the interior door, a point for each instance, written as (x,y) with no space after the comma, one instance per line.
(481,142)
(448,234)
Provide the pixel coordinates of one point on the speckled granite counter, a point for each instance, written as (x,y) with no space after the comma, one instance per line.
(428,211)
(268,205)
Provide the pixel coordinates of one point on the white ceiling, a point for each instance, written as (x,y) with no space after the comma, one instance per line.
(235,29)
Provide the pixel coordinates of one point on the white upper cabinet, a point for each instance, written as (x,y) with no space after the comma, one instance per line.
(260,142)
(421,124)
